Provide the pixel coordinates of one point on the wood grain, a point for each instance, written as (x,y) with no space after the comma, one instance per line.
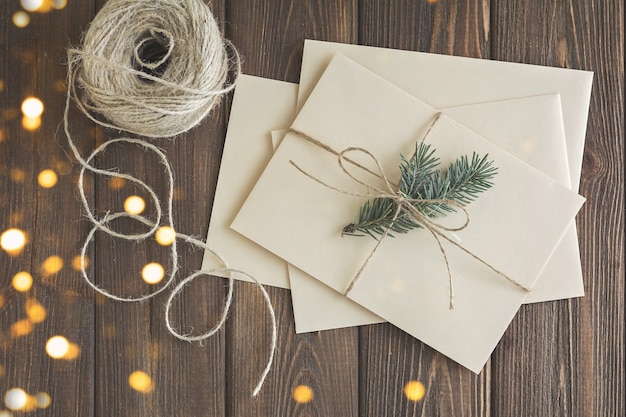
(188,377)
(390,358)
(563,358)
(58,303)
(326,362)
(575,347)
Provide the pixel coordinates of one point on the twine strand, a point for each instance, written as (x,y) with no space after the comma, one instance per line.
(403,205)
(154,68)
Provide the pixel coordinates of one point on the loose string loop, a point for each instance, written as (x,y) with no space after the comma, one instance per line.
(404,206)
(161,86)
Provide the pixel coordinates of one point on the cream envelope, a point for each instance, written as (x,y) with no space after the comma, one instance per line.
(253,114)
(447,81)
(259,106)
(515,226)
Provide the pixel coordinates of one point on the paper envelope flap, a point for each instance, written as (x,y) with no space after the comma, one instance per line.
(446,81)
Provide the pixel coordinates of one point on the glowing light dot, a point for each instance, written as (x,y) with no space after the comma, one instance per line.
(116,183)
(13,240)
(59,4)
(18,175)
(165,235)
(47,178)
(43,400)
(73,352)
(140,381)
(32,107)
(302,394)
(134,205)
(152,273)
(31,5)
(31,123)
(22,281)
(21,19)
(15,398)
(36,312)
(57,347)
(79,262)
(52,265)
(21,328)
(414,390)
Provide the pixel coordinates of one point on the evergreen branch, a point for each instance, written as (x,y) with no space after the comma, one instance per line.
(461,182)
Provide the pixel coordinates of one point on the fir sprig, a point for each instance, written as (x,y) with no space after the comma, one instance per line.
(420,183)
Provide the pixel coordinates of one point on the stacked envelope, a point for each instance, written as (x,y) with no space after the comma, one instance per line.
(284,228)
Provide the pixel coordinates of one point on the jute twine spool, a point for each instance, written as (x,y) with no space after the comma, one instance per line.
(154,68)
(151,67)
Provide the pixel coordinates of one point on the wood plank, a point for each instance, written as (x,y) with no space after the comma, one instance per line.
(566,358)
(188,378)
(57,303)
(270,37)
(389,357)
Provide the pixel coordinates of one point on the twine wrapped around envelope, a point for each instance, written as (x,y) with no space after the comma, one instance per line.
(403,206)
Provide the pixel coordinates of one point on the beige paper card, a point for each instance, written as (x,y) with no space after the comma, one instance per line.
(259,106)
(532,129)
(447,81)
(302,220)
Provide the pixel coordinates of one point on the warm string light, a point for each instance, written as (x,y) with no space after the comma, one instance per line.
(13,241)
(21,19)
(52,265)
(302,394)
(153,273)
(134,205)
(414,390)
(141,382)
(47,178)
(22,281)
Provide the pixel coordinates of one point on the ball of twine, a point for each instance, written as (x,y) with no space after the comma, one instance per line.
(154,68)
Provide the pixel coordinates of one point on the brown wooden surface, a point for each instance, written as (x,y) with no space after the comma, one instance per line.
(562,358)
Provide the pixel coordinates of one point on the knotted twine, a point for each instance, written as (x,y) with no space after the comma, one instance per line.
(403,206)
(154,68)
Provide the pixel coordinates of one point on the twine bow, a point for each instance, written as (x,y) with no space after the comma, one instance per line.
(404,206)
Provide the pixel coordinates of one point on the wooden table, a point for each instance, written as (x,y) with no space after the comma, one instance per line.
(563,358)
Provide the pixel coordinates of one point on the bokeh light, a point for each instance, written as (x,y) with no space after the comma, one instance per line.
(15,399)
(52,265)
(141,381)
(47,178)
(36,5)
(21,19)
(21,328)
(18,175)
(134,205)
(36,312)
(414,390)
(31,123)
(302,394)
(43,400)
(13,241)
(153,273)
(165,235)
(80,262)
(59,4)
(57,347)
(32,107)
(22,281)
(116,183)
